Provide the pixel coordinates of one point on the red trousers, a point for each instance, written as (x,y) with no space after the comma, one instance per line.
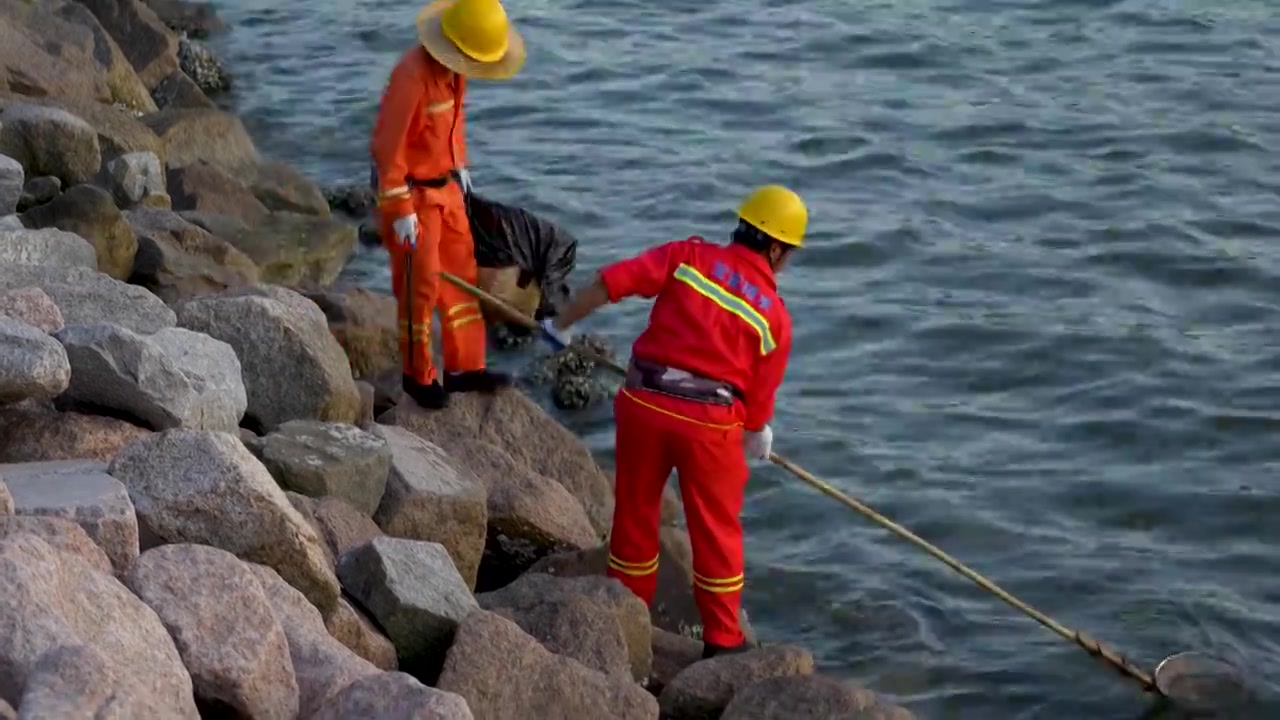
(444,243)
(712,469)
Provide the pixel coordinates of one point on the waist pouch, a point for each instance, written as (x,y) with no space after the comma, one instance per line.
(645,375)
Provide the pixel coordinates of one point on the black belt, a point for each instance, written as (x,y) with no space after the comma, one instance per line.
(435,182)
(645,375)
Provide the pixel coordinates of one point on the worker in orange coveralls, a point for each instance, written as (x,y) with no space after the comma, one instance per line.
(420,166)
(699,390)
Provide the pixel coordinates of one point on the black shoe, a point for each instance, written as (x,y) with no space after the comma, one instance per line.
(429,397)
(710,650)
(484,381)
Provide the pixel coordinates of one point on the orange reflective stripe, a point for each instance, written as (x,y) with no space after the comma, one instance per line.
(454,324)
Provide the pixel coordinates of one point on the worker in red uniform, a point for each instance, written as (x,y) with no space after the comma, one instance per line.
(699,390)
(420,164)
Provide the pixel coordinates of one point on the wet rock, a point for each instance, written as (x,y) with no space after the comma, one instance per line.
(223,626)
(707,687)
(38,191)
(280,187)
(177,260)
(293,368)
(329,459)
(178,91)
(150,46)
(50,141)
(63,535)
(205,188)
(53,599)
(364,323)
(290,249)
(12,179)
(351,627)
(356,201)
(33,366)
(322,665)
(88,297)
(47,247)
(32,306)
(173,378)
(89,211)
(505,674)
(340,526)
(596,621)
(192,134)
(513,422)
(204,487)
(36,434)
(430,497)
(414,592)
(809,697)
(83,492)
(133,176)
(394,696)
(672,653)
(673,606)
(200,64)
(196,19)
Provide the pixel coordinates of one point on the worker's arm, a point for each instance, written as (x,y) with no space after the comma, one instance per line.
(401,102)
(585,302)
(768,378)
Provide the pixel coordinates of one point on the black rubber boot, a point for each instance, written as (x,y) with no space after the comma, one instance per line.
(429,397)
(710,650)
(483,381)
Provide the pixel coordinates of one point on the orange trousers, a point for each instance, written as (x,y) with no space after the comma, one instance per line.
(712,469)
(444,243)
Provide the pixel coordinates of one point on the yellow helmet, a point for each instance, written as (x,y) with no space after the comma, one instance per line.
(479,28)
(777,212)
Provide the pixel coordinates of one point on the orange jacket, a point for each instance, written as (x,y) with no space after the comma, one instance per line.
(717,315)
(420,131)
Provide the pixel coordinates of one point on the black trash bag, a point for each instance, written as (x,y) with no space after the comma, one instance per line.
(506,235)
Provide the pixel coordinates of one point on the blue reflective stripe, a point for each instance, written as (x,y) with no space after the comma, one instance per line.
(734,304)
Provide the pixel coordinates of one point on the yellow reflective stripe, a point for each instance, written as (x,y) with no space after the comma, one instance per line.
(402,191)
(734,304)
(462,307)
(719,589)
(415,330)
(453,324)
(719,585)
(441,106)
(719,581)
(634,569)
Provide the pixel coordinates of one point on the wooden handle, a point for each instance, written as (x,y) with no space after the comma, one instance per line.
(1090,645)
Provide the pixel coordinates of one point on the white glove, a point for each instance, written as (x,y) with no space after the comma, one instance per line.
(557,339)
(759,445)
(464,180)
(406,229)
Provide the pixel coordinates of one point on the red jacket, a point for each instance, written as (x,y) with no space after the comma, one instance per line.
(718,315)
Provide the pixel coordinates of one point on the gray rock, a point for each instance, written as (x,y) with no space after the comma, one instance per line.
(174,378)
(430,497)
(706,688)
(321,459)
(293,367)
(63,535)
(6,500)
(90,212)
(133,176)
(204,487)
(47,247)
(33,366)
(178,90)
(32,306)
(38,191)
(12,179)
(11,222)
(7,712)
(76,681)
(87,297)
(810,697)
(83,492)
(414,592)
(223,626)
(394,696)
(50,141)
(199,63)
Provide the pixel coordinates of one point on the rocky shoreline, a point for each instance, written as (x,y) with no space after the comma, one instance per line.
(212,503)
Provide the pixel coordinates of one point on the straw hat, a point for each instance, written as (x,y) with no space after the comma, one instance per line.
(473,38)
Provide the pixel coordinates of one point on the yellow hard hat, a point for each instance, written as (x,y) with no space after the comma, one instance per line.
(777,212)
(479,28)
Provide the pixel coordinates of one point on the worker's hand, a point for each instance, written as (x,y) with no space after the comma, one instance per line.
(464,180)
(557,339)
(759,445)
(406,229)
